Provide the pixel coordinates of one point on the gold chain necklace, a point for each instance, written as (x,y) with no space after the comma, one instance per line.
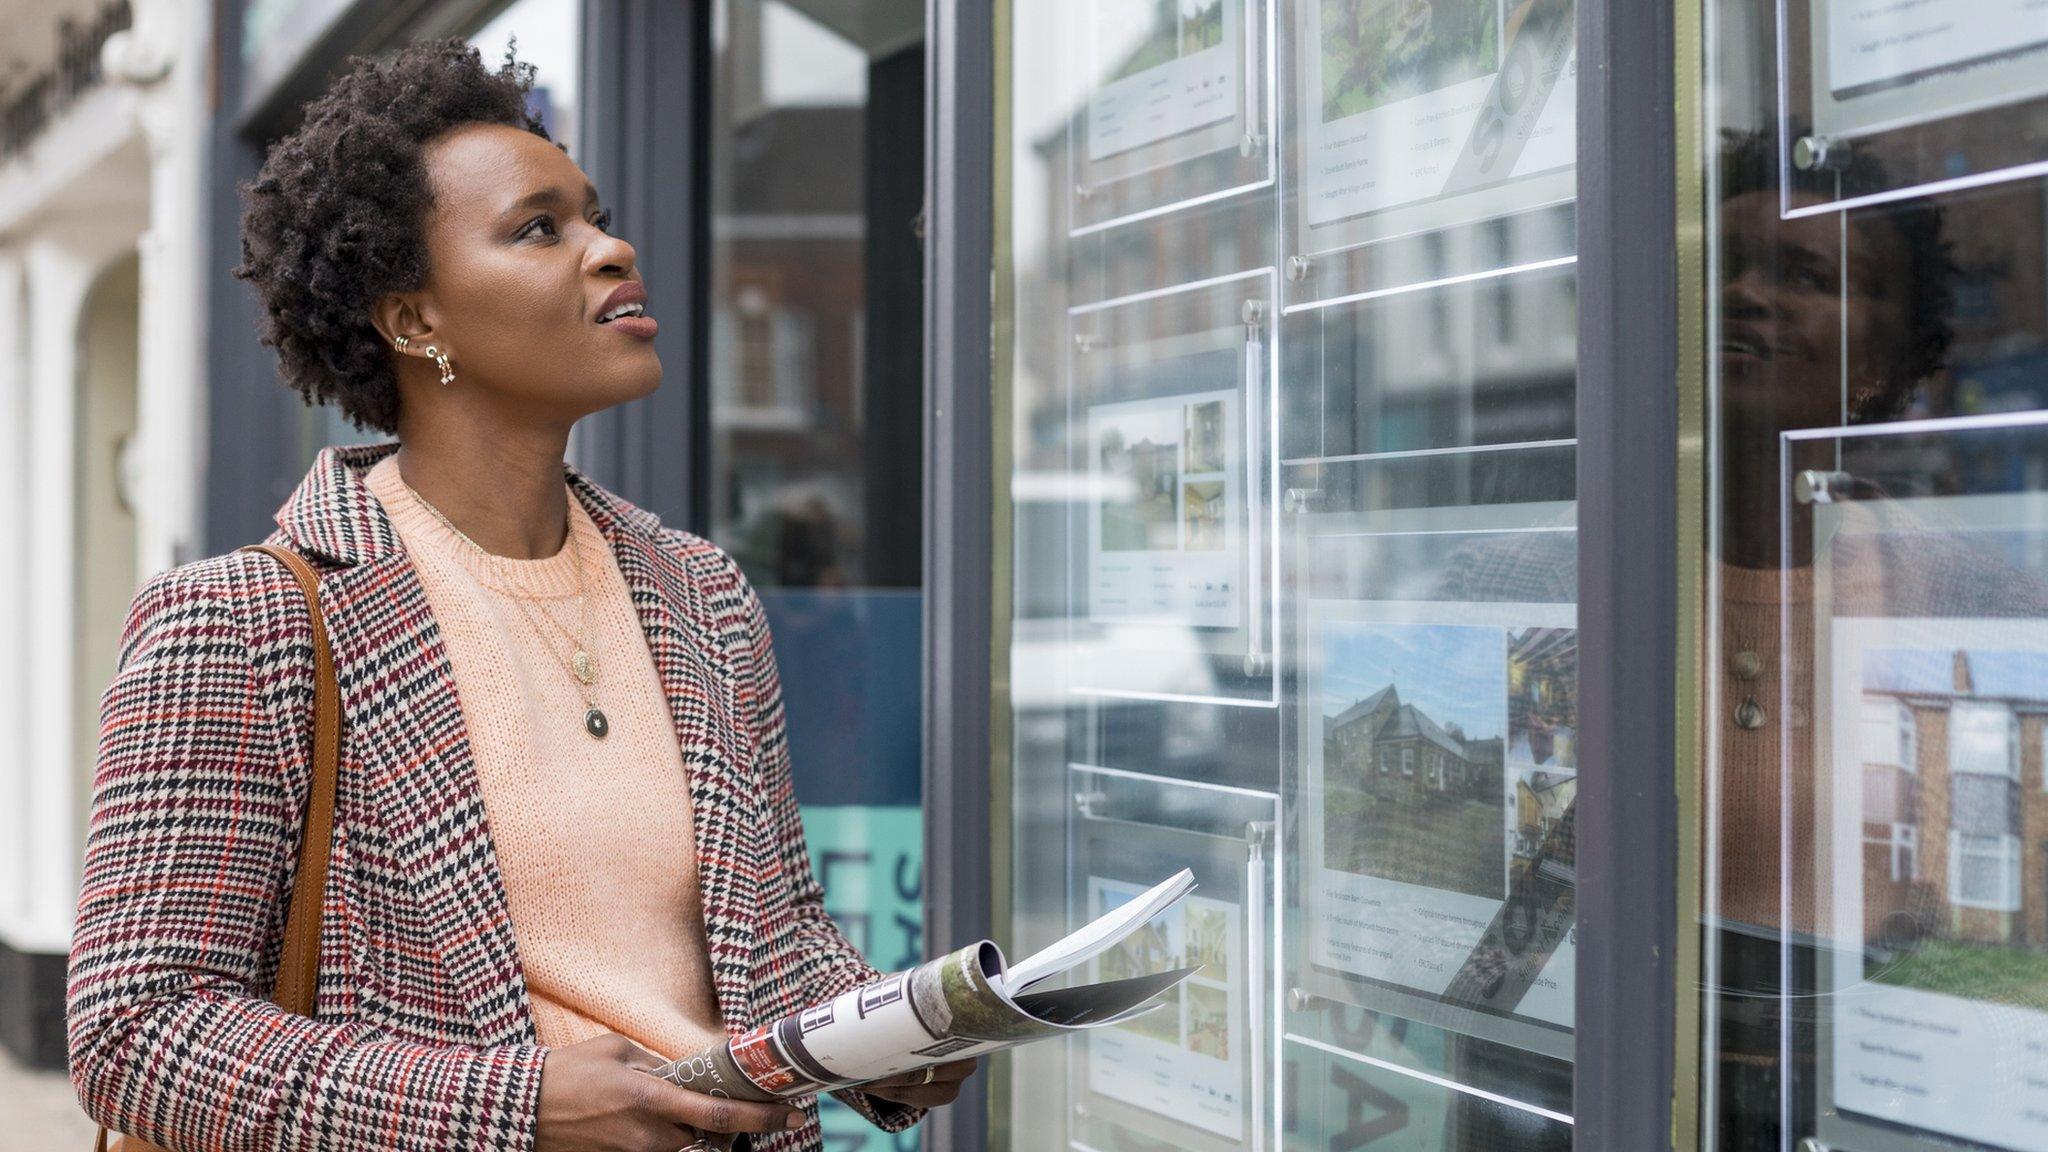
(581,666)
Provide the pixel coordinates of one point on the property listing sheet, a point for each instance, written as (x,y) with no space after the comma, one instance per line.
(1186,1061)
(1161,71)
(1164,531)
(1441,775)
(1939,823)
(1874,42)
(1407,101)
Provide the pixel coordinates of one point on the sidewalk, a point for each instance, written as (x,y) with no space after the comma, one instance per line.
(40,1113)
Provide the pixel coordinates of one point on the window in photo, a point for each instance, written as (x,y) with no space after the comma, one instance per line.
(1984,739)
(1889,738)
(1984,871)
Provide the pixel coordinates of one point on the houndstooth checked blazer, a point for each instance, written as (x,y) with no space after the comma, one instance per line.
(423,1037)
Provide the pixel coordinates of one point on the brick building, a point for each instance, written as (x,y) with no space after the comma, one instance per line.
(1955,804)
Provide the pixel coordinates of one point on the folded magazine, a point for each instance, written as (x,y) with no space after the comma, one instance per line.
(962,1004)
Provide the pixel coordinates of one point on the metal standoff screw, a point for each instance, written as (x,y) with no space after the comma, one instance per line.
(1298,500)
(1814,486)
(1815,152)
(1083,192)
(1084,341)
(1813,1144)
(1256,663)
(1085,802)
(1253,312)
(1301,1000)
(1298,268)
(1251,144)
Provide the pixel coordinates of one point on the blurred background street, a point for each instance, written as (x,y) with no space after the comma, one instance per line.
(38,1111)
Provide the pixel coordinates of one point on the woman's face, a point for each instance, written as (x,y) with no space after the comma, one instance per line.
(1792,330)
(521,276)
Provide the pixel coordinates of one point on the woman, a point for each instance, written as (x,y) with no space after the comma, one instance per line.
(566,842)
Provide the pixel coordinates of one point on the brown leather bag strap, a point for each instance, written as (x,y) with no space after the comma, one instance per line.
(298,970)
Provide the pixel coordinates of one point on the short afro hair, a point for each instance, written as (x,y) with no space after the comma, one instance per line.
(1750,163)
(335,218)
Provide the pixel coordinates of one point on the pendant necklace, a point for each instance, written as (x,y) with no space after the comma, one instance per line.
(581,665)
(1746,665)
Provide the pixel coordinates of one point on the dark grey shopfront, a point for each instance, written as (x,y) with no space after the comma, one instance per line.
(1534,500)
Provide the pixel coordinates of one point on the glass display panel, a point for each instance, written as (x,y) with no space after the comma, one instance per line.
(1434,367)
(1368,1080)
(1435,772)
(1176,106)
(1416,122)
(1883,99)
(1169,395)
(1242,486)
(1438,775)
(1195,1073)
(1874,275)
(1928,853)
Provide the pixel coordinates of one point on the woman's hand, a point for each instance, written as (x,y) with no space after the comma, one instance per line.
(911,1088)
(597,1096)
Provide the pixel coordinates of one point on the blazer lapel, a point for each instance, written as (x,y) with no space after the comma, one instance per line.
(404,737)
(406,732)
(697,675)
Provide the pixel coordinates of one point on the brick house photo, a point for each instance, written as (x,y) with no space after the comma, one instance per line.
(1955,817)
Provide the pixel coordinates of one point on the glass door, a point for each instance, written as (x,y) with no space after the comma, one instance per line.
(1289,385)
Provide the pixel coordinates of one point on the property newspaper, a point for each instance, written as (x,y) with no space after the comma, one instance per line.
(962,1004)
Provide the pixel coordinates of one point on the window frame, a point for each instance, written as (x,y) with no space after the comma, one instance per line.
(1905,839)
(1901,723)
(2012,738)
(2006,856)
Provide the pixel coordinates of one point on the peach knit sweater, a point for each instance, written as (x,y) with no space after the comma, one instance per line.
(594,837)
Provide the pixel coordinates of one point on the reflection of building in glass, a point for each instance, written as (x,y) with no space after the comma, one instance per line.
(1143,521)
(1208,1022)
(1541,801)
(1951,758)
(1381,737)
(1203,508)
(1205,437)
(1543,697)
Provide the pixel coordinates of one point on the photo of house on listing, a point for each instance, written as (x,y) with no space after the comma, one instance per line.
(1413,750)
(1955,820)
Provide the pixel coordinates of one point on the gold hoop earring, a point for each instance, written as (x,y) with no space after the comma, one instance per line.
(447,373)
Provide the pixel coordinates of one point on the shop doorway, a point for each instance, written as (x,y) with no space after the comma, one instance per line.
(104,518)
(815,371)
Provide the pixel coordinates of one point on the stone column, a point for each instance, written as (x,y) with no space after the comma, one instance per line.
(14,602)
(163,56)
(62,261)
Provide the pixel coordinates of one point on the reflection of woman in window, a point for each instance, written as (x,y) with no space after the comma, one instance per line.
(1801,313)
(1826,319)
